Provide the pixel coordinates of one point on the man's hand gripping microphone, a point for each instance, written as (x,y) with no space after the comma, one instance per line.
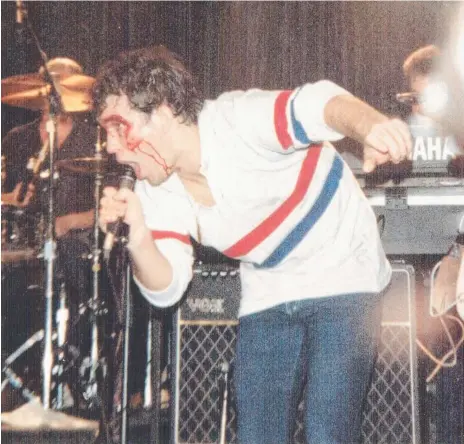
(126,181)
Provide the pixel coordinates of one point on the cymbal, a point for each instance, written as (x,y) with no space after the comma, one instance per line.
(84,165)
(37,99)
(27,82)
(78,82)
(34,417)
(20,83)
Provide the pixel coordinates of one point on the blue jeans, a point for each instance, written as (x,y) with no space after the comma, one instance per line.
(330,344)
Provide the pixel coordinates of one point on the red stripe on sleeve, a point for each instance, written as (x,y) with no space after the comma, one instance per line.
(155,234)
(265,228)
(280,119)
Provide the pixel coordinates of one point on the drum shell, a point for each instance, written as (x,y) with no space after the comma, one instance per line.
(22,302)
(22,235)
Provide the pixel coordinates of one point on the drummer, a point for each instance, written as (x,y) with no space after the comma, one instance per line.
(74,195)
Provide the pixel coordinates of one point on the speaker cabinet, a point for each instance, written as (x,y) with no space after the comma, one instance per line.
(391,413)
(203,349)
(204,336)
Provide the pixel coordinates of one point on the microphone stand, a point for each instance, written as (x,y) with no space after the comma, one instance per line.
(96,303)
(126,321)
(49,250)
(125,363)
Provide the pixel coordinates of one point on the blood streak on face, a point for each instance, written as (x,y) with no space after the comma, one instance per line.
(120,128)
(161,162)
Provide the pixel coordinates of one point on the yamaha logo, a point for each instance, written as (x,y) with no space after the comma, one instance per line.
(433,148)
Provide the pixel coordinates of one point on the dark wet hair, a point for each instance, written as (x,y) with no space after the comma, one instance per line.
(150,77)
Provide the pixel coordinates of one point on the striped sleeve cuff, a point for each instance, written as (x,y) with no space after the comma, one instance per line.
(308,110)
(169,296)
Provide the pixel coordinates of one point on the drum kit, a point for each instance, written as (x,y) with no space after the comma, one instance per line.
(28,239)
(61,89)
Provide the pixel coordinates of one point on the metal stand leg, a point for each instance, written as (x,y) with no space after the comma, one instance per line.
(47,361)
(225,399)
(96,303)
(125,368)
(154,339)
(147,393)
(62,318)
(11,376)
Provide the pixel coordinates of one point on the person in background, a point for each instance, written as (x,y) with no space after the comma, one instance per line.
(253,175)
(74,199)
(442,396)
(419,69)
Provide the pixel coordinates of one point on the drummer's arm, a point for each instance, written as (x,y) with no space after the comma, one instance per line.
(74,221)
(13,197)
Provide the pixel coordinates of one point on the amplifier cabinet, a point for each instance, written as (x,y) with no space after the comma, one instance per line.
(204,337)
(391,413)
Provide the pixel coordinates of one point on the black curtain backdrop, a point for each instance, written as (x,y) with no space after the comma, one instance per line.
(228,45)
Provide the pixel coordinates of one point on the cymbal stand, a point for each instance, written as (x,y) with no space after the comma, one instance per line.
(14,379)
(49,250)
(225,396)
(96,305)
(62,319)
(49,254)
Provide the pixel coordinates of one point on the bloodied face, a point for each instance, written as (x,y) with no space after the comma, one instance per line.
(137,139)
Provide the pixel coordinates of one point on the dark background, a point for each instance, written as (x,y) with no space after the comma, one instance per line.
(360,45)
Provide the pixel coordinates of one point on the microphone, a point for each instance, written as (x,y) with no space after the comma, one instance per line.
(126,181)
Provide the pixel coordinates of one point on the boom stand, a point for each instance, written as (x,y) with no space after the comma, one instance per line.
(49,251)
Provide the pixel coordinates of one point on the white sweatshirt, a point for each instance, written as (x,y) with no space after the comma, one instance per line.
(286,204)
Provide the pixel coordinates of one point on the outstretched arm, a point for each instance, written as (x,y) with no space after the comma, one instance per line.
(284,121)
(384,139)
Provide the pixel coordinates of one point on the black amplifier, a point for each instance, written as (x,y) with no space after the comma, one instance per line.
(203,344)
(213,295)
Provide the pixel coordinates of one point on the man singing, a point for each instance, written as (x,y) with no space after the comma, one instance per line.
(253,175)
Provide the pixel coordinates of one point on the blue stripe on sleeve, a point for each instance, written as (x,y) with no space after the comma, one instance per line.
(309,220)
(298,129)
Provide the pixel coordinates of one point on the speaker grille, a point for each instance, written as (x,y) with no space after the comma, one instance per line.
(203,345)
(204,349)
(387,415)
